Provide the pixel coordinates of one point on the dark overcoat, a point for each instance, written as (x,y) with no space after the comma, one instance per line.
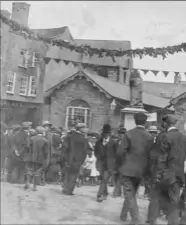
(38,149)
(106,155)
(175,145)
(75,148)
(134,150)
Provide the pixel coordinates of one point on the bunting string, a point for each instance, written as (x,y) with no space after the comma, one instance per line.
(98,68)
(88,50)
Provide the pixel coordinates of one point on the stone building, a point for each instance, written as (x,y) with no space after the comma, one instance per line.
(88,97)
(179,104)
(22,71)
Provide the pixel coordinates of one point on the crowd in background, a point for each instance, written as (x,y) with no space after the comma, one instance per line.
(152,157)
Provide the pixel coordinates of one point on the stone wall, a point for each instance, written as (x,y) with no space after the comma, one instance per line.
(80,89)
(180,112)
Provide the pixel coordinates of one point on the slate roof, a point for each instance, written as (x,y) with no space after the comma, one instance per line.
(51,32)
(111,88)
(167,89)
(175,100)
(107,44)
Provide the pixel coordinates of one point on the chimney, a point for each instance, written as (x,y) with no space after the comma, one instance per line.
(20,12)
(6,13)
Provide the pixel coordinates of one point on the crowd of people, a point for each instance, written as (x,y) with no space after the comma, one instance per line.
(152,157)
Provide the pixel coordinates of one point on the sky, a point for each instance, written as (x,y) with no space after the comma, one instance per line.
(144,23)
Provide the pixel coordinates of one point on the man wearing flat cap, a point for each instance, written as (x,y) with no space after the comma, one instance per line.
(38,152)
(48,135)
(105,152)
(169,172)
(134,151)
(74,152)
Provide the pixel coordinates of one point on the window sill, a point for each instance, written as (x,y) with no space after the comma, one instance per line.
(10,93)
(23,94)
(32,96)
(24,67)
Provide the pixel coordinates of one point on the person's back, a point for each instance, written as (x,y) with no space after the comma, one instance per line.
(137,143)
(78,146)
(38,149)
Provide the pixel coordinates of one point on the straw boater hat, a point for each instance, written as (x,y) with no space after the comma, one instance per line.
(80,125)
(46,123)
(153,129)
(25,125)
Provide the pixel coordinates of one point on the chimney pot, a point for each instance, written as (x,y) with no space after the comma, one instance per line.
(20,12)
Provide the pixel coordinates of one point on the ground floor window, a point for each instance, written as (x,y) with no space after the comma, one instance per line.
(78,110)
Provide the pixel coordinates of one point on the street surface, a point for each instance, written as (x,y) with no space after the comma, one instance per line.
(49,206)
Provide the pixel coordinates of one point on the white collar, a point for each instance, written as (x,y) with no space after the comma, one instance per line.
(171,128)
(140,126)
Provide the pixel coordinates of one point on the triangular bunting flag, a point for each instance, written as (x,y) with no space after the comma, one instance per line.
(47,60)
(176,73)
(145,71)
(166,73)
(155,72)
(57,60)
(66,62)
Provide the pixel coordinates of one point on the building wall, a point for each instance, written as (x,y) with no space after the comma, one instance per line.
(80,89)
(180,112)
(11,45)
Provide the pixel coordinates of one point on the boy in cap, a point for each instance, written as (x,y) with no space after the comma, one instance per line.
(134,151)
(38,152)
(169,172)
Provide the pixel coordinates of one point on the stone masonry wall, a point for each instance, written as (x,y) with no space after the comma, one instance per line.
(80,89)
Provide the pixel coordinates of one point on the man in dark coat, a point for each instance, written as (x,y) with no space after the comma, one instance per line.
(168,172)
(105,152)
(19,153)
(117,184)
(134,149)
(75,147)
(38,152)
(48,135)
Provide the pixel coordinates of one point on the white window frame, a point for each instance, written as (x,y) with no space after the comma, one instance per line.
(30,86)
(34,59)
(13,80)
(26,57)
(73,110)
(26,87)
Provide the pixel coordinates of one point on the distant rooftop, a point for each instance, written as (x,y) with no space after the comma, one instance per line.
(52,32)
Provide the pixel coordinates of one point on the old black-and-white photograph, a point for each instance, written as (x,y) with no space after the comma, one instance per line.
(93,112)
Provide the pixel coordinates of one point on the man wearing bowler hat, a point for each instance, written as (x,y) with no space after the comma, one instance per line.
(105,152)
(75,148)
(134,151)
(168,173)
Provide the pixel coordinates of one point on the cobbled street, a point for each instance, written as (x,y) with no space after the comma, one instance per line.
(49,206)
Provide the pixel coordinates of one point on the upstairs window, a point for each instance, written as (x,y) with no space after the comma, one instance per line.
(24,58)
(11,79)
(34,59)
(23,85)
(32,86)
